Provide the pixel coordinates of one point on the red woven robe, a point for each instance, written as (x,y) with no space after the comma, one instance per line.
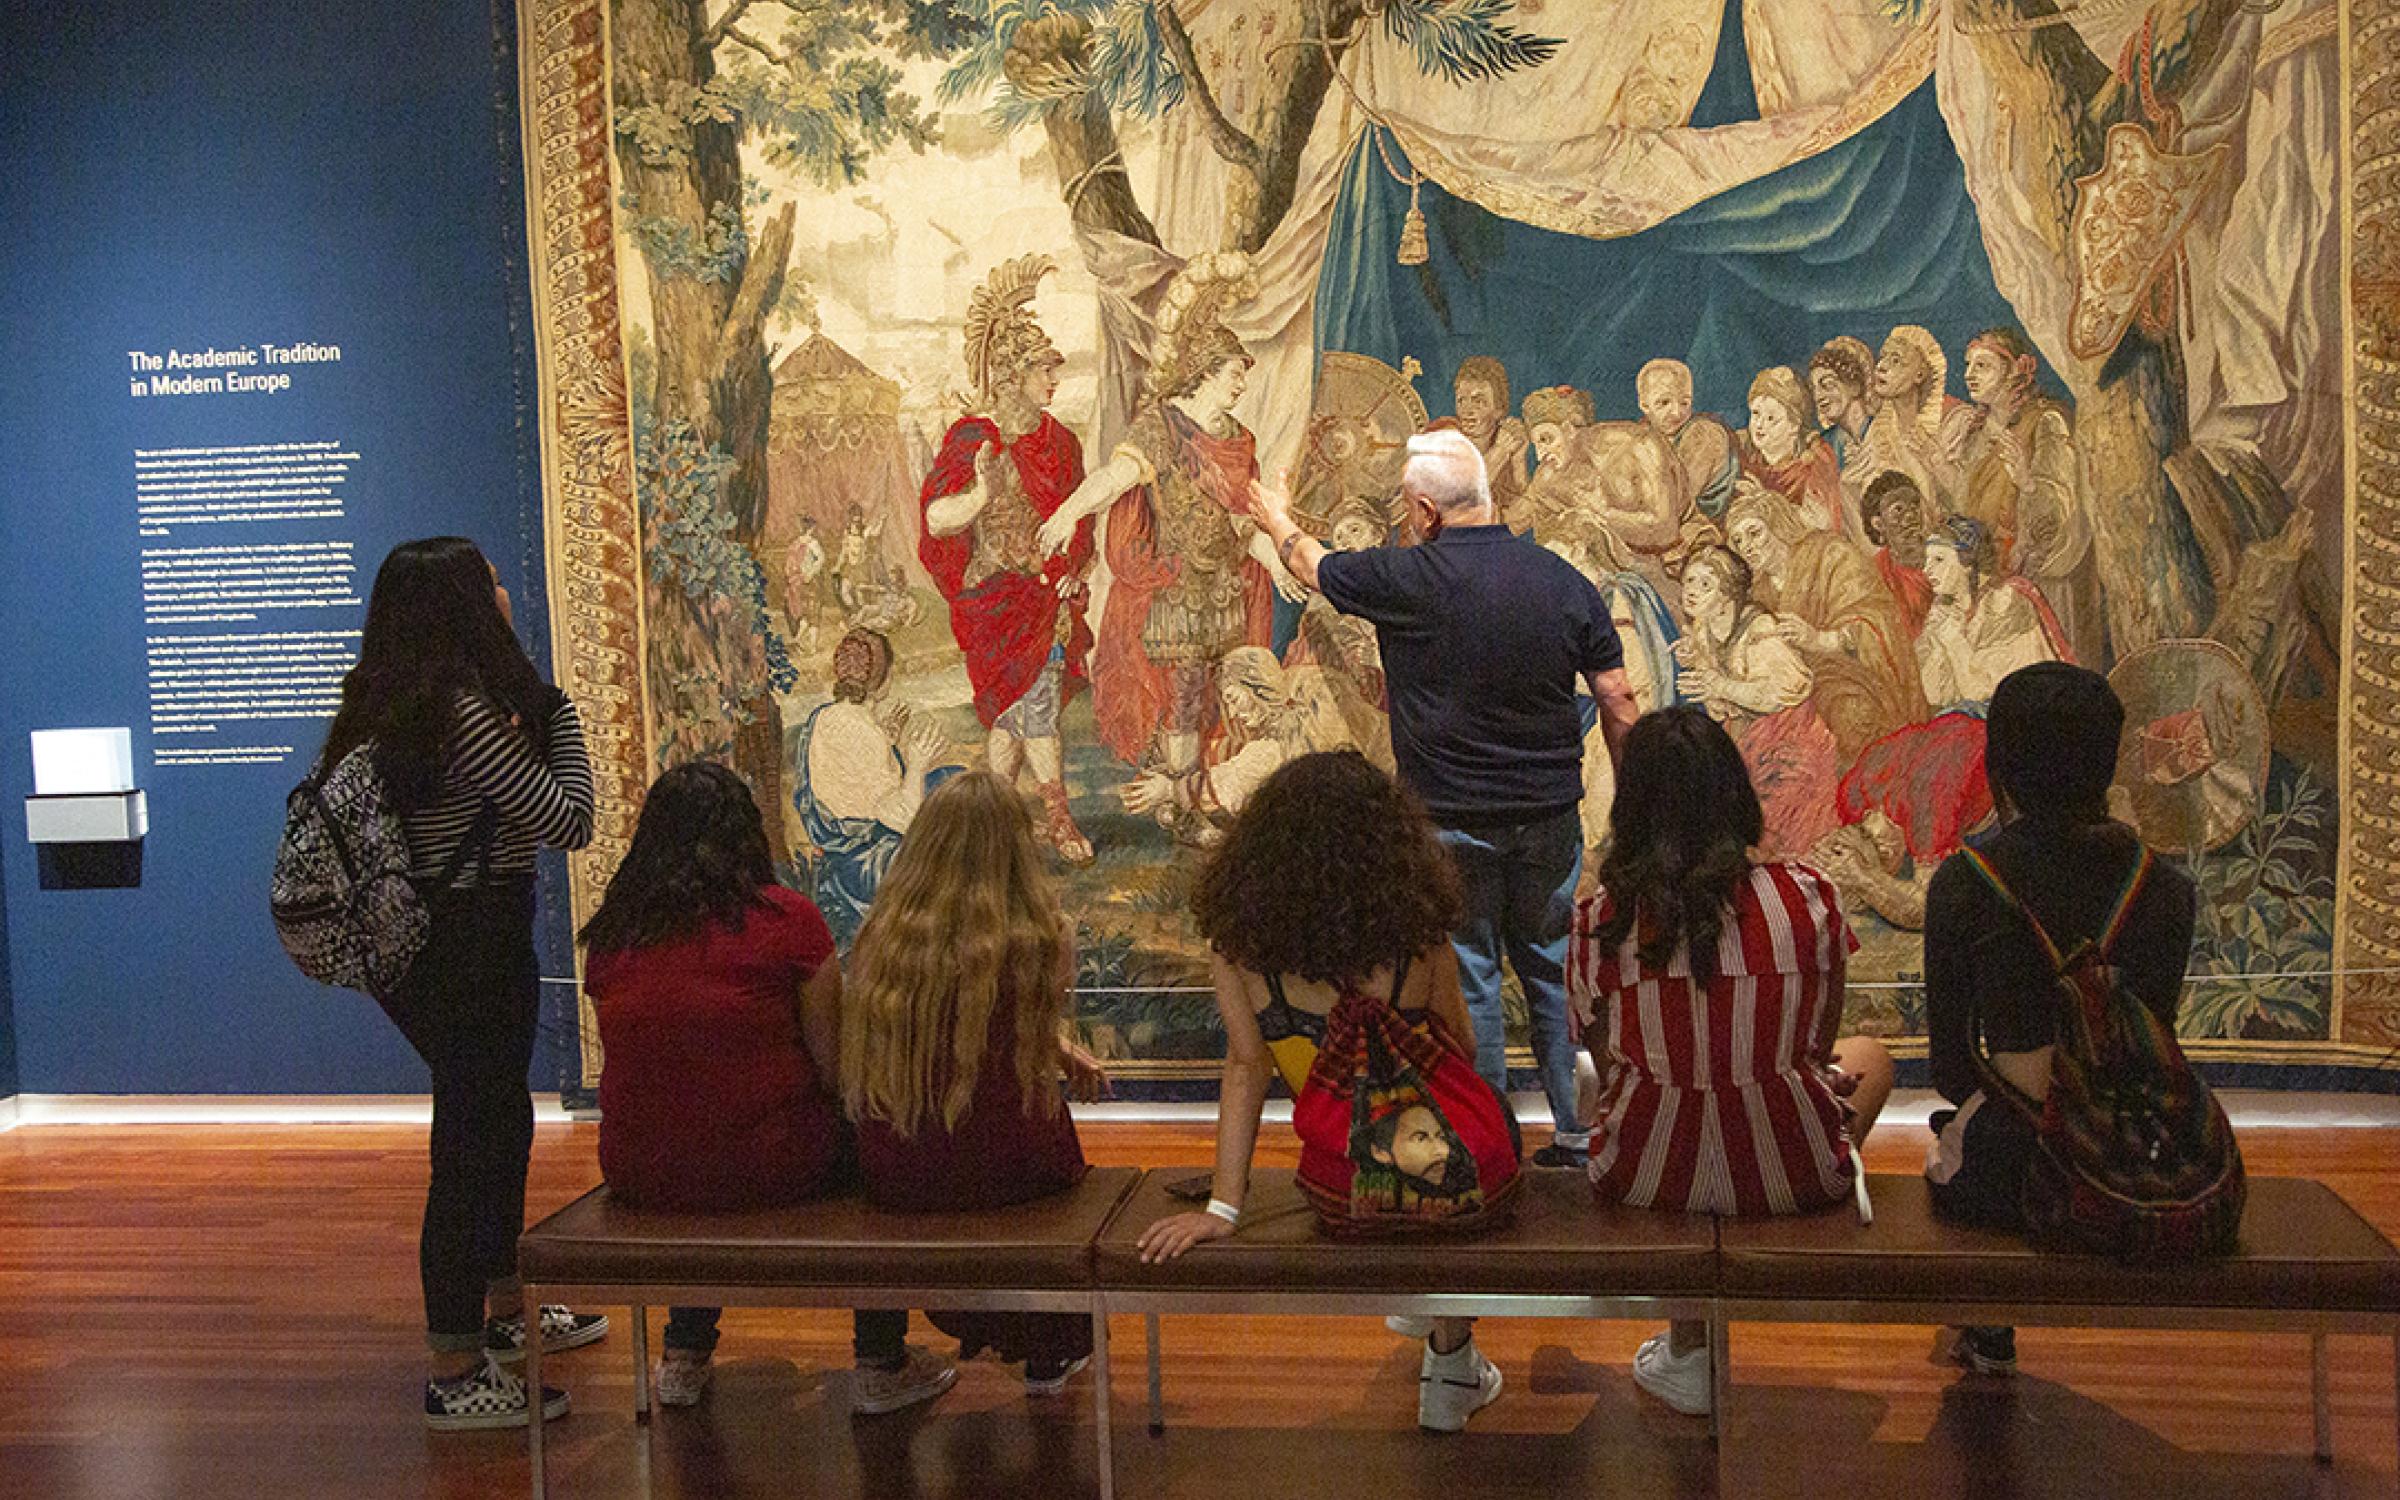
(1007,624)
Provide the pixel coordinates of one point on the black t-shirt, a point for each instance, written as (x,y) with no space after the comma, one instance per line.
(1983,964)
(1484,636)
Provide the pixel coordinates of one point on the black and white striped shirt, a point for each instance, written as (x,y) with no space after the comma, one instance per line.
(543,799)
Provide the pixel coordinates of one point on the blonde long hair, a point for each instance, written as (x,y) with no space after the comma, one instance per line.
(965,915)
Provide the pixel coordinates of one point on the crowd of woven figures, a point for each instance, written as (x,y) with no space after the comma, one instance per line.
(1840,573)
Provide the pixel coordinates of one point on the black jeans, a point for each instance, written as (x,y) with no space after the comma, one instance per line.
(878,1336)
(469,1007)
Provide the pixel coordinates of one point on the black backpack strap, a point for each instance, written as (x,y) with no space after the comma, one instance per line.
(476,846)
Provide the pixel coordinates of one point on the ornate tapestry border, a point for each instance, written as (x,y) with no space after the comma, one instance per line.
(2367,996)
(591,528)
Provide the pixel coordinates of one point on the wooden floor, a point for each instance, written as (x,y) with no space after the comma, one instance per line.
(200,1312)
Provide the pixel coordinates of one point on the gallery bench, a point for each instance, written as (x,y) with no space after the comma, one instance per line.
(2307,1264)
(1562,1254)
(835,1252)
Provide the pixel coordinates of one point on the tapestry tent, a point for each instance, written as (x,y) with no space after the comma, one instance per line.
(841,486)
(1696,284)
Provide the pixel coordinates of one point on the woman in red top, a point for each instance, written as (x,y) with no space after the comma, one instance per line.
(953,1036)
(1709,983)
(718,999)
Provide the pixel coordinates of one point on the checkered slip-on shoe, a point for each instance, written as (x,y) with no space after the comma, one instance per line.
(563,1328)
(489,1397)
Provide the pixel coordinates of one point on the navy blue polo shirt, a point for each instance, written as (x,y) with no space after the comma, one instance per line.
(1484,637)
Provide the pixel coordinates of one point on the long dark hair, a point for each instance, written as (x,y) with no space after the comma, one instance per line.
(1681,831)
(433,629)
(1330,872)
(699,854)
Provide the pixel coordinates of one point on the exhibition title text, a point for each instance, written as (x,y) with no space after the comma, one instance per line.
(245,369)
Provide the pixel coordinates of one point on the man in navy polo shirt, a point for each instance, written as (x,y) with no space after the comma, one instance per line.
(1485,637)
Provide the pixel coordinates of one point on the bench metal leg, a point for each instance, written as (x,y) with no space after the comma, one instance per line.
(1720,1375)
(533,1393)
(1100,1400)
(2320,1373)
(1158,1385)
(641,1364)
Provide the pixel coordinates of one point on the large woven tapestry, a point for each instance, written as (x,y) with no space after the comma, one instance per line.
(909,365)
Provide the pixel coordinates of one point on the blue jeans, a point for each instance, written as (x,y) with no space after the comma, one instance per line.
(1520,890)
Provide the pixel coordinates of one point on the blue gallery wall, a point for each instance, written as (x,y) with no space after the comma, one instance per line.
(217,176)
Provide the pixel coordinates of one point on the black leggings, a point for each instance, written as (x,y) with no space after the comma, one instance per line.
(469,1007)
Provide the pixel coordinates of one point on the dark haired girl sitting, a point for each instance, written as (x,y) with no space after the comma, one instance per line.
(1709,982)
(1328,911)
(719,1003)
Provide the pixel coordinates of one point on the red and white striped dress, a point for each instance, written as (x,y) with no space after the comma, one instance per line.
(1709,1101)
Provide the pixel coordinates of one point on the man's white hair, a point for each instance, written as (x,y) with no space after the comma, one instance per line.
(1449,472)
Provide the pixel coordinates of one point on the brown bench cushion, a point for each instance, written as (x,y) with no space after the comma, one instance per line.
(1043,1245)
(1561,1241)
(2302,1246)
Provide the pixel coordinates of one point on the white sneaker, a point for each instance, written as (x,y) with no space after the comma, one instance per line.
(921,1377)
(682,1381)
(1682,1382)
(1453,1387)
(1407,1327)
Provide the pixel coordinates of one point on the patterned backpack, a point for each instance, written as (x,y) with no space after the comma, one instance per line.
(2133,1155)
(1398,1133)
(344,906)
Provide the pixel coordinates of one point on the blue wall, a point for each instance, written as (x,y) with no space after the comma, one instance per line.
(187,176)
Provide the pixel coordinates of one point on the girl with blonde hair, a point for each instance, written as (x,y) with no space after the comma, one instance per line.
(955,1025)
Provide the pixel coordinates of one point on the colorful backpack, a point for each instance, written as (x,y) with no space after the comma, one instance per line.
(1398,1132)
(344,906)
(2133,1155)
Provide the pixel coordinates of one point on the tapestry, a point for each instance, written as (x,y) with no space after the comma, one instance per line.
(910,365)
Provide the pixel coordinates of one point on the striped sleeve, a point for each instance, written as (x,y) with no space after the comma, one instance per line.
(550,795)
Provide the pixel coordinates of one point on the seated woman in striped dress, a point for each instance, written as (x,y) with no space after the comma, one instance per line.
(1709,984)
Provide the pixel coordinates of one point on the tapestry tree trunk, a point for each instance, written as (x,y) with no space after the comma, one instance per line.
(709,299)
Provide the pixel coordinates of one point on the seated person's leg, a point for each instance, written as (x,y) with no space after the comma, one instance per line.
(1870,1062)
(684,1370)
(891,1373)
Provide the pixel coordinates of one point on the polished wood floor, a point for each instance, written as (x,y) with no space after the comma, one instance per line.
(204,1312)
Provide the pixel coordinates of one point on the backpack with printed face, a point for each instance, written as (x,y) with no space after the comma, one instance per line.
(1398,1133)
(2133,1155)
(341,897)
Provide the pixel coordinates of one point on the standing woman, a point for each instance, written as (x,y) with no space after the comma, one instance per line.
(485,762)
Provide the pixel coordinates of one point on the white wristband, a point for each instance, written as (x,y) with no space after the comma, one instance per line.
(1224,1210)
